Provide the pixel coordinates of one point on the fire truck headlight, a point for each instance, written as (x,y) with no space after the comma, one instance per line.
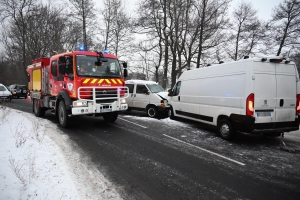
(80,103)
(123,101)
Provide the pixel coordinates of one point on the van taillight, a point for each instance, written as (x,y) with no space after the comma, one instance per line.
(250,105)
(298,105)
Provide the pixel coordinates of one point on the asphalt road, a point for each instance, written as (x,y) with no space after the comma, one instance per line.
(162,159)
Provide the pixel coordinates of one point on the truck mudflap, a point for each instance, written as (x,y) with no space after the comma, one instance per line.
(246,124)
(98,100)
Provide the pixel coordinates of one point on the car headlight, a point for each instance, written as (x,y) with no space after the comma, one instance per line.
(123,101)
(80,103)
(163,103)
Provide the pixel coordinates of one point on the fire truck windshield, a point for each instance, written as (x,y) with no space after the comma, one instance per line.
(85,66)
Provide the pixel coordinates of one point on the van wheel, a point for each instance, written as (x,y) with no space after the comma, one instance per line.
(63,118)
(110,117)
(225,129)
(171,113)
(152,111)
(39,112)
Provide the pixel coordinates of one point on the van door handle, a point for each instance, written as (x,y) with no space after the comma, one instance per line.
(134,95)
(178,98)
(281,102)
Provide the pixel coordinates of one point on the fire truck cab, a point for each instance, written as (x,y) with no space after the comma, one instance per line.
(78,83)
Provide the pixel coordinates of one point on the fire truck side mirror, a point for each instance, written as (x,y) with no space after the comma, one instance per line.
(125,73)
(125,65)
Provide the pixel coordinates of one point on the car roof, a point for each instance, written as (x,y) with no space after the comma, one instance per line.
(140,81)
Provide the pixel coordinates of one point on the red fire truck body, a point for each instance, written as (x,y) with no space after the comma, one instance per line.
(78,83)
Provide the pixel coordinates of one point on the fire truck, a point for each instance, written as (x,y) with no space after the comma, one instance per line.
(78,83)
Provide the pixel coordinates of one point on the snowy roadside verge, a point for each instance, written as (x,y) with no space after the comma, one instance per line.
(37,161)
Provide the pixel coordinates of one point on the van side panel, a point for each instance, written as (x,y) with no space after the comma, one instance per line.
(189,100)
(210,95)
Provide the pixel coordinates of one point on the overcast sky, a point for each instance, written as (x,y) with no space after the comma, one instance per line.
(264,7)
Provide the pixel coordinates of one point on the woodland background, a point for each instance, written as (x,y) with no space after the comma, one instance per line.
(159,40)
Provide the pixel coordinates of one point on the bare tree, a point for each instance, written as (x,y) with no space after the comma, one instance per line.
(184,30)
(153,21)
(16,12)
(285,24)
(244,20)
(46,30)
(84,11)
(296,58)
(210,22)
(118,27)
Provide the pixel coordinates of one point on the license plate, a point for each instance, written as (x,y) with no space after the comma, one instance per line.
(105,110)
(263,114)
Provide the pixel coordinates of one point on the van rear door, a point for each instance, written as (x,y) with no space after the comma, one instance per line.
(286,92)
(264,92)
(275,92)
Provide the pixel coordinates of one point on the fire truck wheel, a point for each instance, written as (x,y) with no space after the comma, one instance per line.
(38,111)
(63,118)
(110,117)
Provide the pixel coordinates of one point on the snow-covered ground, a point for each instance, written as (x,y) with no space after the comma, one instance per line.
(37,162)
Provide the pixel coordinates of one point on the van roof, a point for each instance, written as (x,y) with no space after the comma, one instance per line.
(140,81)
(220,69)
(260,59)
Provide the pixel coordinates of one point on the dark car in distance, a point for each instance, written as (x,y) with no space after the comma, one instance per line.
(18,90)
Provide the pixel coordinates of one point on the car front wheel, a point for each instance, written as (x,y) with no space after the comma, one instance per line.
(152,111)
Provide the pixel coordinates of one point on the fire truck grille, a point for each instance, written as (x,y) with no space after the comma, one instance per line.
(102,94)
(106,93)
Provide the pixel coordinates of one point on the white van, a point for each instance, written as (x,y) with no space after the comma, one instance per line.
(257,95)
(147,96)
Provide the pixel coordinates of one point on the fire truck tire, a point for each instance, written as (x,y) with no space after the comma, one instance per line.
(110,117)
(63,118)
(38,111)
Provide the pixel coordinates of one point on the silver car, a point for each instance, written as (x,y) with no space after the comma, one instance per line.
(4,93)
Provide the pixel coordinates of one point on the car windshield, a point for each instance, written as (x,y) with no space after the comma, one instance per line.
(86,67)
(2,88)
(155,88)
